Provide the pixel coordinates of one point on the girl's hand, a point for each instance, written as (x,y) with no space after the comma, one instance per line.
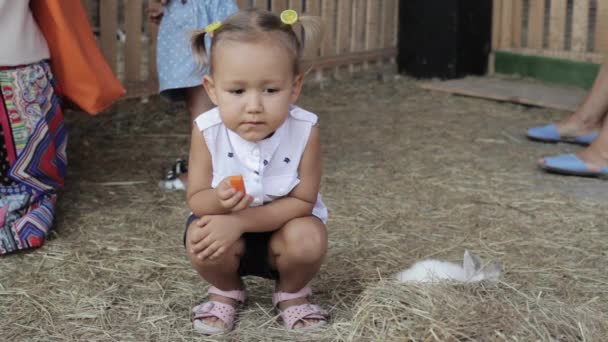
(231,199)
(216,233)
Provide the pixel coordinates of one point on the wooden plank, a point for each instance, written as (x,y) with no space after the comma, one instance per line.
(536,18)
(328,11)
(601,26)
(243,4)
(529,93)
(263,4)
(389,10)
(557,24)
(517,22)
(108,23)
(152,40)
(133,17)
(547,69)
(296,5)
(357,42)
(507,23)
(313,8)
(580,24)
(358,25)
(496,23)
(344,26)
(352,58)
(592,57)
(278,6)
(496,31)
(372,25)
(396,25)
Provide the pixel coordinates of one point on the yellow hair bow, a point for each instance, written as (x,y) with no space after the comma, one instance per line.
(289,17)
(212,27)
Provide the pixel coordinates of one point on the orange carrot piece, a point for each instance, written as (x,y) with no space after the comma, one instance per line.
(237,183)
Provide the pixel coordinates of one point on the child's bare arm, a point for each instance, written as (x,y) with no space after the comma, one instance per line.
(202,198)
(300,201)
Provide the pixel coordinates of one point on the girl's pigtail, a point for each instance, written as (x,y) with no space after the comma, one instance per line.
(313,34)
(199,50)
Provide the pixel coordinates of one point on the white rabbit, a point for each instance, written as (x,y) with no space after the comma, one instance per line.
(431,270)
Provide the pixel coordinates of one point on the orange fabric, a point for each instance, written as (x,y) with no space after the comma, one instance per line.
(84,76)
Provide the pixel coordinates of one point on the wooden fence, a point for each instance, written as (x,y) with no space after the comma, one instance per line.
(569,29)
(357,32)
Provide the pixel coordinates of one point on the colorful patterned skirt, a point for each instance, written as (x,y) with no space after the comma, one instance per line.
(32,154)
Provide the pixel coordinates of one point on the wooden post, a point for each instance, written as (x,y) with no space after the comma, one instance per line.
(344,29)
(372,24)
(536,20)
(263,4)
(329,19)
(108,23)
(580,24)
(496,31)
(313,7)
(243,4)
(507,24)
(557,24)
(396,28)
(278,6)
(517,23)
(358,25)
(152,40)
(389,9)
(601,26)
(133,17)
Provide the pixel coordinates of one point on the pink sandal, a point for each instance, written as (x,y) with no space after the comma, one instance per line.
(222,311)
(297,313)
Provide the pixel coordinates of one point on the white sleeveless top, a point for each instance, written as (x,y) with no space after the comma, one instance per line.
(269,167)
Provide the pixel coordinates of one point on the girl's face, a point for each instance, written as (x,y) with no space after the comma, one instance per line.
(253,85)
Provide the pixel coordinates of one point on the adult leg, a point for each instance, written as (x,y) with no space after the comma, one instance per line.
(297,251)
(591,113)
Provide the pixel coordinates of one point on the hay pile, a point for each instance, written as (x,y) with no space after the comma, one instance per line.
(408,175)
(389,311)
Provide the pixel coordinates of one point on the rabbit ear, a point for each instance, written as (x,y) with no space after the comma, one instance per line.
(471,264)
(492,271)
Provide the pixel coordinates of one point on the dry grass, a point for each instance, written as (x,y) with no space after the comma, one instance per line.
(408,174)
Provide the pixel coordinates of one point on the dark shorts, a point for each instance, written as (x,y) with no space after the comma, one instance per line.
(255,260)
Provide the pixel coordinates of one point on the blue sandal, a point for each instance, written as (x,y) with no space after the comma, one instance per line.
(570,164)
(549,133)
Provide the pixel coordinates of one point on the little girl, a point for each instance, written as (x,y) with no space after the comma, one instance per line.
(180,79)
(276,228)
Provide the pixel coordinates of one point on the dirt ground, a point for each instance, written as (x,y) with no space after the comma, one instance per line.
(408,174)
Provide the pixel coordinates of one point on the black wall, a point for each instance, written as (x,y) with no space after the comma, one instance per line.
(444,38)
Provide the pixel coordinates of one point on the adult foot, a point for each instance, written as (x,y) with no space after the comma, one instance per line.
(590,162)
(577,125)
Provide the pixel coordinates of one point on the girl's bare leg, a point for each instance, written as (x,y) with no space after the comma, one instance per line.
(221,272)
(297,251)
